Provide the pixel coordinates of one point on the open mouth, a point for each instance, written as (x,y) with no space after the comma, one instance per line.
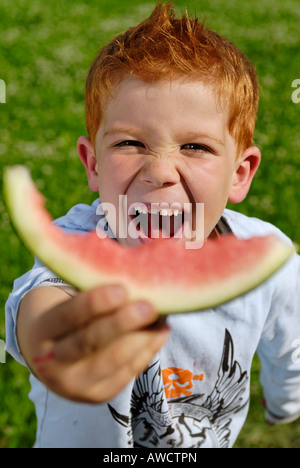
(154,221)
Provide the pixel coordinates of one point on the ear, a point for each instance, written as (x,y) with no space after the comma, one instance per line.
(247,166)
(87,155)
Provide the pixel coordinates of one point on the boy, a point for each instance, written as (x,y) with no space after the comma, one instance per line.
(170,112)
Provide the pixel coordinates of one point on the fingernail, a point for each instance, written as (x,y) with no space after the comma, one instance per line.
(144,309)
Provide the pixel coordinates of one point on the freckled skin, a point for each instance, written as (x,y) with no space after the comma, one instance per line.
(167,142)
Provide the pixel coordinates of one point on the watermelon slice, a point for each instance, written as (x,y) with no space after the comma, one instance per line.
(173,278)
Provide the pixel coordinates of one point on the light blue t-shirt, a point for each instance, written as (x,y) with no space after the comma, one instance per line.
(195,393)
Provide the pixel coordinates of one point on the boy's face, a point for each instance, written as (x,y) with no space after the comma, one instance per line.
(165,144)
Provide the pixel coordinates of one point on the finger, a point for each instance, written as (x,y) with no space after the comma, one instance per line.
(101,332)
(136,362)
(73,313)
(123,364)
(100,377)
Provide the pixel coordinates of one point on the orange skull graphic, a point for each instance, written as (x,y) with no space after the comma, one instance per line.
(177,382)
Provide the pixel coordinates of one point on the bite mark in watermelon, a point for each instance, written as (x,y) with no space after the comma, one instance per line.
(173,278)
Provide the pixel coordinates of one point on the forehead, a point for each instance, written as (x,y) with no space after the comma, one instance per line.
(183,101)
(181,89)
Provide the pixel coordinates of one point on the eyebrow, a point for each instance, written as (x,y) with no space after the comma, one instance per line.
(188,136)
(128,130)
(192,135)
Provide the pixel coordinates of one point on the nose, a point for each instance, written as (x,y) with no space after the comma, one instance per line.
(160,173)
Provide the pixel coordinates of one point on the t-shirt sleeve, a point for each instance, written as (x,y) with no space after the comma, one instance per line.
(279,347)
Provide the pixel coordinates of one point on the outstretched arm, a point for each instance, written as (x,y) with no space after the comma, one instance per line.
(87,347)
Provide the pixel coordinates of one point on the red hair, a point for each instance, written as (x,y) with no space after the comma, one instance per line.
(164,47)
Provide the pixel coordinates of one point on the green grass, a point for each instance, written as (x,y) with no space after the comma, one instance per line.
(45,51)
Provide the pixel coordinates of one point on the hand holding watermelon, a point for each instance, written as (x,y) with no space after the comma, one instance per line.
(88,347)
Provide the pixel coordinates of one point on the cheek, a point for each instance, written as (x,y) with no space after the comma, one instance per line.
(211,186)
(204,182)
(117,172)
(109,177)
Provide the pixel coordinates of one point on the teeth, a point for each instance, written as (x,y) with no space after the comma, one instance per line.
(155,211)
(142,210)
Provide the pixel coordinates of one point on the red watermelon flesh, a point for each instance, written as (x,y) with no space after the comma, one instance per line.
(173,278)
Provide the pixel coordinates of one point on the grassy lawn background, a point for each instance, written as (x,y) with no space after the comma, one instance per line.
(46,49)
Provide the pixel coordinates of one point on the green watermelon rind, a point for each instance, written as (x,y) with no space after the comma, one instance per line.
(167,299)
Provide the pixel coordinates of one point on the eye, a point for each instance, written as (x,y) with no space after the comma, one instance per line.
(130,143)
(197,147)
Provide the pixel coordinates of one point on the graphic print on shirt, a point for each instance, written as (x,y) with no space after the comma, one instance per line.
(178,381)
(189,421)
